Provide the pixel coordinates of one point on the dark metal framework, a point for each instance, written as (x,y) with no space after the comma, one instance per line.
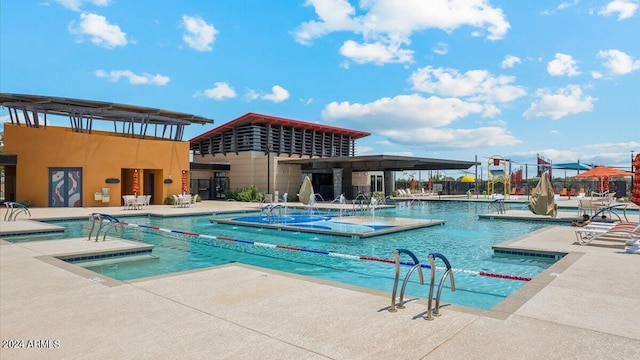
(256,132)
(380,163)
(135,121)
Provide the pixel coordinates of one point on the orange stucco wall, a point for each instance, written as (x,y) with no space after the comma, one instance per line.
(100,155)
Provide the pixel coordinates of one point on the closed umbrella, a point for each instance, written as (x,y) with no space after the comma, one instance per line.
(635,193)
(184,182)
(542,201)
(136,182)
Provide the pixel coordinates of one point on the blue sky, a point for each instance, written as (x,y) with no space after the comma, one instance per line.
(442,79)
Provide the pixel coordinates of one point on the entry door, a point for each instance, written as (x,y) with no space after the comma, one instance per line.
(65,187)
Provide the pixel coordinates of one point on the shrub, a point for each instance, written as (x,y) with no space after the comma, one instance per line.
(249,194)
(169,200)
(26,203)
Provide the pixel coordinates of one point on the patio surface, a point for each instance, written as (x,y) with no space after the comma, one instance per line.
(583,307)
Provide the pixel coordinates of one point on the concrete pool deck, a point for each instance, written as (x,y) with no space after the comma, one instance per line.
(585,306)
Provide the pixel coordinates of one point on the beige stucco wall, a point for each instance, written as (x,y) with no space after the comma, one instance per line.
(101,155)
(250,168)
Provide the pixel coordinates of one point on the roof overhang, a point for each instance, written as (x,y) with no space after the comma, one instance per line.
(381,163)
(253,118)
(134,121)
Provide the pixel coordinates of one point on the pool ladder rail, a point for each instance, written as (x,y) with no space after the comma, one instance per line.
(105,221)
(14,209)
(431,311)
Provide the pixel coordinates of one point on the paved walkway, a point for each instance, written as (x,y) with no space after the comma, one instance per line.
(583,307)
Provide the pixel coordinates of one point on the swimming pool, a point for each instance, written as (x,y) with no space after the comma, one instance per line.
(464,240)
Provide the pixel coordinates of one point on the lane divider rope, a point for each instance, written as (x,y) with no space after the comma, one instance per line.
(320,252)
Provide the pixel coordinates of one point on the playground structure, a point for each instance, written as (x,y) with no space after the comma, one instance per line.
(498,174)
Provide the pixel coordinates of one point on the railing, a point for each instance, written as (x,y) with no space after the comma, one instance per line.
(102,220)
(14,209)
(431,310)
(498,206)
(416,265)
(448,272)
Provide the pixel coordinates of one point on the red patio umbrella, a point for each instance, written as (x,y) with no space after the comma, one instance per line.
(603,173)
(430,184)
(184,182)
(635,193)
(136,182)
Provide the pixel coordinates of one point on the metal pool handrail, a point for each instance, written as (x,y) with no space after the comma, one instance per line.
(14,209)
(448,272)
(416,265)
(103,219)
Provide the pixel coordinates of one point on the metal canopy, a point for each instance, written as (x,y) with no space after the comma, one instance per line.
(134,120)
(381,163)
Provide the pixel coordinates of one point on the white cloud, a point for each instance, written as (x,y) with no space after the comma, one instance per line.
(453,138)
(403,111)
(624,8)
(199,35)
(76,4)
(567,101)
(278,94)
(377,53)
(419,122)
(563,64)
(510,61)
(391,23)
(134,79)
(618,62)
(441,48)
(99,30)
(219,91)
(596,74)
(478,85)
(565,4)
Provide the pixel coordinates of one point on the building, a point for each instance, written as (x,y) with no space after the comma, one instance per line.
(85,164)
(110,150)
(275,154)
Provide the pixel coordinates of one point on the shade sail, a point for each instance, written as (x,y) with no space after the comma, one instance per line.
(571,166)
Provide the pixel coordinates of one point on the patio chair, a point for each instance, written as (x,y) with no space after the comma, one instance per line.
(564,192)
(185,200)
(513,191)
(129,202)
(586,206)
(572,192)
(176,200)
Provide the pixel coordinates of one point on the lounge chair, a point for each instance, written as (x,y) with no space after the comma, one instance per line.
(625,231)
(564,192)
(572,192)
(513,191)
(522,191)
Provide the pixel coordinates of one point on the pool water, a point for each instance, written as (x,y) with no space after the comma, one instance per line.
(464,239)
